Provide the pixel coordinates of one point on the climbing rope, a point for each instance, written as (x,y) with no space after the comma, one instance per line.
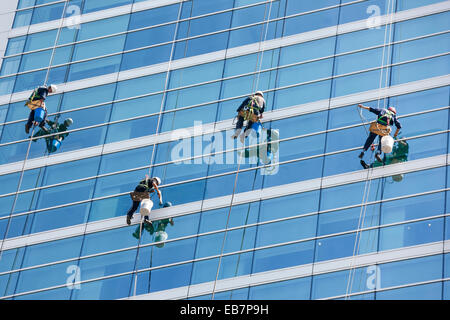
(368,180)
(31,139)
(169,65)
(254,85)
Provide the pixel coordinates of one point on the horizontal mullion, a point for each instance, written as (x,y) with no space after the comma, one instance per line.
(194,260)
(196,179)
(241,96)
(192,158)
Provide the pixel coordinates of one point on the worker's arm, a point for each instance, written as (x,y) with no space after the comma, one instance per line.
(159,192)
(243,104)
(363,107)
(398,125)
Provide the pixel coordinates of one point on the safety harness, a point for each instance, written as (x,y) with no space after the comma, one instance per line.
(380,126)
(251,110)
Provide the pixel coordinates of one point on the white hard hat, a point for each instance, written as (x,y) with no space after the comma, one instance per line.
(158,180)
(53,87)
(260,93)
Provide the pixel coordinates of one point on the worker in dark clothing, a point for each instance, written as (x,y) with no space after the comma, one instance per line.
(53,142)
(381,127)
(250,110)
(141,192)
(35,101)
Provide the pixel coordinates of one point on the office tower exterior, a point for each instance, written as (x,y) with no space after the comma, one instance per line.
(153,87)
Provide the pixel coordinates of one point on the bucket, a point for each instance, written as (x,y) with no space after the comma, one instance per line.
(55,145)
(39,115)
(387,143)
(146,207)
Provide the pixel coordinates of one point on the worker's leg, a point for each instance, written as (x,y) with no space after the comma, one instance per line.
(367,144)
(378,154)
(29,123)
(131,211)
(239,125)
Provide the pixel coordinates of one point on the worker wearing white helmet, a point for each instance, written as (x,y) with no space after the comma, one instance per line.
(142,192)
(250,110)
(381,127)
(35,101)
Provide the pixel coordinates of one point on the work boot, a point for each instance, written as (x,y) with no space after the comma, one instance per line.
(27,128)
(361,155)
(377,156)
(364,164)
(128,220)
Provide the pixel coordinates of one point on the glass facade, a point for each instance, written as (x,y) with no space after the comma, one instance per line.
(138,77)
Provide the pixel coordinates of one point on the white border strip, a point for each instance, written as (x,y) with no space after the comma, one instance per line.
(234,52)
(297,110)
(299,271)
(240,198)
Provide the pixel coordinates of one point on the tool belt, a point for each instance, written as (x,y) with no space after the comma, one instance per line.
(139,196)
(34,104)
(248,114)
(379,129)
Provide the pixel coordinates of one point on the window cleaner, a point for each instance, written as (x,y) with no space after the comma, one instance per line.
(250,110)
(142,192)
(54,142)
(36,103)
(381,128)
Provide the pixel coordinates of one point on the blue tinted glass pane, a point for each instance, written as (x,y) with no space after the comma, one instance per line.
(312,21)
(40,40)
(118,183)
(15,45)
(25,4)
(100,47)
(361,39)
(44,277)
(420,70)
(146,57)
(208,24)
(28,81)
(35,60)
(204,7)
(422,26)
(139,86)
(409,4)
(238,294)
(22,18)
(47,13)
(132,129)
(432,291)
(336,283)
(10,65)
(103,27)
(423,100)
(411,234)
(303,6)
(413,208)
(7,85)
(125,160)
(107,289)
(170,277)
(283,256)
(362,11)
(297,289)
(94,68)
(154,16)
(307,51)
(52,251)
(358,83)
(66,194)
(60,218)
(96,5)
(347,219)
(295,171)
(87,97)
(55,294)
(201,73)
(421,48)
(108,240)
(305,72)
(149,37)
(410,271)
(136,107)
(302,94)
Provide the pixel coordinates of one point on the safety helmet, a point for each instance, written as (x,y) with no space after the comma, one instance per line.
(53,88)
(392,109)
(259,93)
(68,122)
(157,180)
